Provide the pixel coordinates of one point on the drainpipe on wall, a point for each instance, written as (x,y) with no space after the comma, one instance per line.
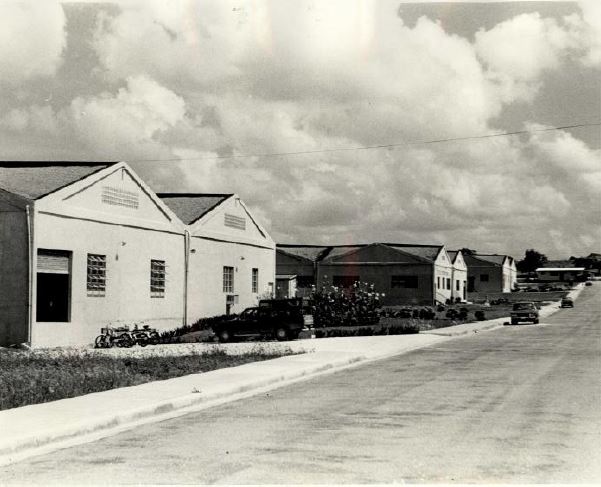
(186,266)
(30,273)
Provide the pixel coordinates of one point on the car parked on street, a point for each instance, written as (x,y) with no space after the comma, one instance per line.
(282,319)
(567,302)
(524,311)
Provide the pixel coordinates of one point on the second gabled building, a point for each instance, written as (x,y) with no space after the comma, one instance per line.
(231,257)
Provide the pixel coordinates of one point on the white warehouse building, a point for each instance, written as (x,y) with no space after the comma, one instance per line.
(86,245)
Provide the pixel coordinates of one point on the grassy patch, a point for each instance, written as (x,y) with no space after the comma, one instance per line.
(32,377)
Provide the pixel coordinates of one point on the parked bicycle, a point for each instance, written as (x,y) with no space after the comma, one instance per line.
(123,337)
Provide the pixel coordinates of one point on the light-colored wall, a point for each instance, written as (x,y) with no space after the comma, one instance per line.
(75,219)
(510,275)
(216,245)
(443,269)
(459,278)
(14,270)
(127,299)
(205,289)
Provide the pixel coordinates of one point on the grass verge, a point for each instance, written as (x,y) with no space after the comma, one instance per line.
(33,377)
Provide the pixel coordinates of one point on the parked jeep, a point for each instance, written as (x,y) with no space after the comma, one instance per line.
(282,319)
(524,311)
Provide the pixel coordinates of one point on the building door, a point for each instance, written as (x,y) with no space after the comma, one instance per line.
(470,284)
(464,291)
(53,286)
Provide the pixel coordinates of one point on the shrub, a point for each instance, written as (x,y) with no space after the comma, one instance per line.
(337,306)
(404,328)
(479,315)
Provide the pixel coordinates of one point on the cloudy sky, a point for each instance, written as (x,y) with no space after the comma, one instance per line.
(257,96)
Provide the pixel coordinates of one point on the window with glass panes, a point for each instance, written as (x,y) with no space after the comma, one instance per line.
(157,278)
(255,280)
(228,279)
(96,276)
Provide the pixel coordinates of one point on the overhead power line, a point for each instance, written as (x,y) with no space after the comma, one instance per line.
(371,147)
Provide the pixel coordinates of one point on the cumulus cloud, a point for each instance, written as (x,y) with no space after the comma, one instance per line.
(32,39)
(137,114)
(221,85)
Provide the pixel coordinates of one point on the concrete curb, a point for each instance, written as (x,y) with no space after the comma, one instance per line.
(42,428)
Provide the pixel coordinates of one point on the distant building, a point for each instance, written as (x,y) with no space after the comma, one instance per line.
(490,273)
(285,286)
(560,274)
(301,261)
(406,274)
(459,279)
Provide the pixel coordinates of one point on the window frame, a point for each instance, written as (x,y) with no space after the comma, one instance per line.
(404,282)
(255,280)
(158,278)
(228,279)
(96,275)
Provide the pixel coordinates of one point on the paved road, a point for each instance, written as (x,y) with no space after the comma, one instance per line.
(519,404)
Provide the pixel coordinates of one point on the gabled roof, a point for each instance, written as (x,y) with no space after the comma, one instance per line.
(428,252)
(496,258)
(473,260)
(190,207)
(340,250)
(33,180)
(318,253)
(313,253)
(453,255)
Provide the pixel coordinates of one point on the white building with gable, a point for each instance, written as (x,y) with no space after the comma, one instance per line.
(86,245)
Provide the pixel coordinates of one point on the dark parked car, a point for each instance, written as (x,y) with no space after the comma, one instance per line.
(524,311)
(282,319)
(567,303)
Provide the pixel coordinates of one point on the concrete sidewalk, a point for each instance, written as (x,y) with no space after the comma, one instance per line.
(42,428)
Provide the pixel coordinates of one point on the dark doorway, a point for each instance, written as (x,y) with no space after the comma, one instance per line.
(53,297)
(470,284)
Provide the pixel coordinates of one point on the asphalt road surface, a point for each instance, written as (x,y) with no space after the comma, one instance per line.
(518,404)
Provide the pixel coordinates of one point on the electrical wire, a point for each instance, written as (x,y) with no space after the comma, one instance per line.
(372,147)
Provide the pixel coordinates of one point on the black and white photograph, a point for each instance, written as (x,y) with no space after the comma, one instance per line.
(300,242)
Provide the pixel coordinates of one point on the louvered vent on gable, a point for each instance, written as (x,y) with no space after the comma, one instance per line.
(234,221)
(112,195)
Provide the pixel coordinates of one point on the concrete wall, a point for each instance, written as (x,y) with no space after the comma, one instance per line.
(205,289)
(459,280)
(14,270)
(216,245)
(127,299)
(79,220)
(495,278)
(381,276)
(443,274)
